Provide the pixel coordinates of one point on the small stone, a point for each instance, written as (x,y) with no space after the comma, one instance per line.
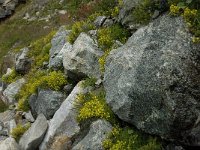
(99,21)
(108,23)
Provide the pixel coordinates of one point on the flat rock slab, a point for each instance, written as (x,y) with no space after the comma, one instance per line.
(35,134)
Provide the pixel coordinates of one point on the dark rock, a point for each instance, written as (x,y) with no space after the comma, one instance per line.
(153,81)
(68,88)
(46,102)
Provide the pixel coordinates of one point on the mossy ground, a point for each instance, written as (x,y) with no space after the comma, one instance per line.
(3,106)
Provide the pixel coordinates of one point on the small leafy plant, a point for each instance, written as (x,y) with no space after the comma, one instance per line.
(190,11)
(12,77)
(128,139)
(19,130)
(93,106)
(77,28)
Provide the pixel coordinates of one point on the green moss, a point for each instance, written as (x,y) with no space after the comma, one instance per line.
(19,130)
(191,14)
(143,12)
(106,39)
(93,106)
(12,77)
(77,28)
(55,80)
(128,139)
(89,82)
(3,106)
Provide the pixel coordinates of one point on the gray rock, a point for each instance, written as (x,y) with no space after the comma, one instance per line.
(9,144)
(2,13)
(93,33)
(23,63)
(97,134)
(125,14)
(1,126)
(7,7)
(153,81)
(11,91)
(35,134)
(28,116)
(2,1)
(11,125)
(46,102)
(7,116)
(64,120)
(82,59)
(59,46)
(108,22)
(99,21)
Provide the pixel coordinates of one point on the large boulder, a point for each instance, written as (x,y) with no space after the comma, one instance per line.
(64,120)
(23,63)
(59,47)
(153,81)
(46,102)
(11,91)
(9,144)
(35,134)
(82,59)
(95,137)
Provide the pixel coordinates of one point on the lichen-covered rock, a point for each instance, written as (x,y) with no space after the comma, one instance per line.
(23,63)
(35,134)
(82,59)
(9,144)
(97,134)
(153,81)
(59,47)
(46,102)
(11,91)
(64,120)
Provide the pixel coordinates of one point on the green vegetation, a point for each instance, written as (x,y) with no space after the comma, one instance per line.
(128,139)
(19,130)
(12,77)
(106,40)
(19,33)
(93,106)
(77,28)
(191,13)
(54,80)
(3,106)
(89,82)
(40,50)
(143,12)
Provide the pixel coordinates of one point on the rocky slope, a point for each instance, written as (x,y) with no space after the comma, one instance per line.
(100,86)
